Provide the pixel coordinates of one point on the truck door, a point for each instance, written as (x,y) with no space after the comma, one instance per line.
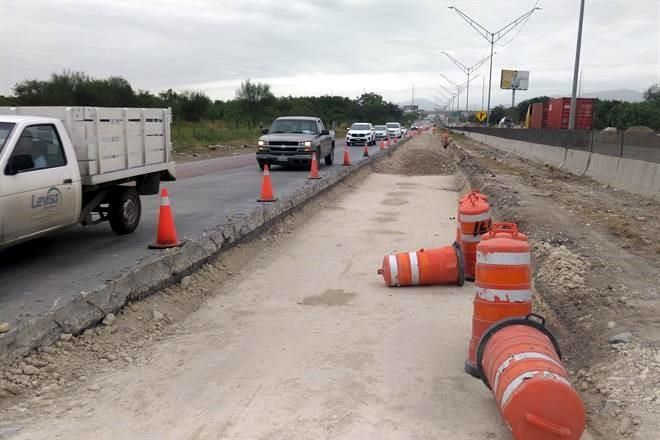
(36,187)
(325,139)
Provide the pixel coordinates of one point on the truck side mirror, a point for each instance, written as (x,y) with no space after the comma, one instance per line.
(264,131)
(325,132)
(18,163)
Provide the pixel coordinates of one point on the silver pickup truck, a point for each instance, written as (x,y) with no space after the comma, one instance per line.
(291,140)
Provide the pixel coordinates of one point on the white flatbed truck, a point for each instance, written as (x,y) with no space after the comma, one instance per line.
(60,166)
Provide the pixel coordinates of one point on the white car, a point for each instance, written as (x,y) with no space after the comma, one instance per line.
(394,129)
(404,131)
(361,133)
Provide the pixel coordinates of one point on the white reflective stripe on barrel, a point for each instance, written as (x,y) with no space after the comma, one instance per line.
(515,383)
(504,295)
(164,201)
(474,217)
(470,238)
(519,357)
(394,271)
(414,268)
(504,258)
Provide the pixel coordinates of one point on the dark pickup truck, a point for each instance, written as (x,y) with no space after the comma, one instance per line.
(291,140)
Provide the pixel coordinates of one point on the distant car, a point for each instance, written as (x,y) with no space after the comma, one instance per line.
(381,132)
(361,133)
(506,122)
(292,140)
(404,131)
(414,128)
(394,129)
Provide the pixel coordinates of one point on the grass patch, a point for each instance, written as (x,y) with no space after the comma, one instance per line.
(188,136)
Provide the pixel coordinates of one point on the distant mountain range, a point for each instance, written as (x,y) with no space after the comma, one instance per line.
(618,94)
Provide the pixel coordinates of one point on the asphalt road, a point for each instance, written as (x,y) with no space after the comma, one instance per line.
(37,276)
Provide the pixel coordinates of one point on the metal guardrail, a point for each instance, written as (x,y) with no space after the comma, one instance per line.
(630,145)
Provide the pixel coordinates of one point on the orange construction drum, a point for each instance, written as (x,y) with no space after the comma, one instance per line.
(520,361)
(424,268)
(473,219)
(503,283)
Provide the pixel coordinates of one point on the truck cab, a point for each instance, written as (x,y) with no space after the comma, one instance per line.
(292,140)
(40,184)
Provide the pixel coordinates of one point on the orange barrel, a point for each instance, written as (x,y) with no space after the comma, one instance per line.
(503,283)
(520,361)
(424,268)
(476,193)
(474,219)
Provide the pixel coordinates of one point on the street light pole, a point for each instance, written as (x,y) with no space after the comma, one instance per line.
(492,38)
(467,70)
(571,117)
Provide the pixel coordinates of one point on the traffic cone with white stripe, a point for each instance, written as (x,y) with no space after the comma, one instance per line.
(382,144)
(166,237)
(347,157)
(503,283)
(366,151)
(426,267)
(266,187)
(314,172)
(520,361)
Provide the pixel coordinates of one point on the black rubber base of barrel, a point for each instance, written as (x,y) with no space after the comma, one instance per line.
(469,278)
(472,369)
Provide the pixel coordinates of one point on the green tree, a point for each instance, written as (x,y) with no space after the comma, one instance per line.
(253,97)
(496,114)
(652,94)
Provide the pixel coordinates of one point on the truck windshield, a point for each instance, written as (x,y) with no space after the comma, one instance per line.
(380,127)
(360,127)
(302,126)
(5,130)
(393,125)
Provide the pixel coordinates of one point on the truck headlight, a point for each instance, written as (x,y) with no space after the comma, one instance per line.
(308,144)
(261,143)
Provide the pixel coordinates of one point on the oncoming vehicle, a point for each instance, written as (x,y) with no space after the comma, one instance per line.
(361,133)
(55,171)
(394,129)
(506,122)
(380,133)
(292,140)
(404,131)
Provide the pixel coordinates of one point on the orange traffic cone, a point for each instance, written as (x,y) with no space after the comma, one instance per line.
(382,145)
(314,172)
(387,142)
(366,151)
(166,231)
(347,158)
(396,141)
(266,188)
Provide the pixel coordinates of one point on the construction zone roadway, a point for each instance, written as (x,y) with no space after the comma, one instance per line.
(293,333)
(304,341)
(43,276)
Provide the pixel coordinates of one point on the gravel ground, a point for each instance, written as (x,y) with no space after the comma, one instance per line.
(423,156)
(597,265)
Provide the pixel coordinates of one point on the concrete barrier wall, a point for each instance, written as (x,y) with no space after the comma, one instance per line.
(635,176)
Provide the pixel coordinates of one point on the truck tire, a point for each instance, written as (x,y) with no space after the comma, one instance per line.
(125,210)
(330,157)
(262,165)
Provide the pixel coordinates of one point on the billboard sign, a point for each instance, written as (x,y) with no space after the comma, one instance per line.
(514,79)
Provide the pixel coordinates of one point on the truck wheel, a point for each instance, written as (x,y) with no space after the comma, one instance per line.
(262,165)
(125,210)
(330,157)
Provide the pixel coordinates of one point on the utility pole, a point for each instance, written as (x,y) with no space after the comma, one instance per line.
(458,99)
(571,117)
(412,103)
(492,38)
(467,70)
(483,92)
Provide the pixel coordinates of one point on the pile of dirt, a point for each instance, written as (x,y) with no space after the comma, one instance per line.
(422,156)
(560,268)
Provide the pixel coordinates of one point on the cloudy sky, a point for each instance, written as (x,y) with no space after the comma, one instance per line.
(328,47)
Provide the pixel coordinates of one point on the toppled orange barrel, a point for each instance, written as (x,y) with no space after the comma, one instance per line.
(473,219)
(425,267)
(503,283)
(520,361)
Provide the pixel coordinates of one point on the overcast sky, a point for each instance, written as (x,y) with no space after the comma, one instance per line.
(328,47)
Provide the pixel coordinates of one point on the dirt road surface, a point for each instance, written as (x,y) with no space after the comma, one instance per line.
(303,341)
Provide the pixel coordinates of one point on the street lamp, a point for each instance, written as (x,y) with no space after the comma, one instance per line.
(492,38)
(467,71)
(571,117)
